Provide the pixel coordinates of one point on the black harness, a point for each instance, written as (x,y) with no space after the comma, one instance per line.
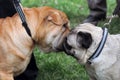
(22,16)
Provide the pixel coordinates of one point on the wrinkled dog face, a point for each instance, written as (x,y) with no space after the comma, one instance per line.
(77,43)
(55,27)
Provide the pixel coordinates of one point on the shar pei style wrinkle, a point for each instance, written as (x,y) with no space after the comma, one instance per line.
(48,27)
(82,42)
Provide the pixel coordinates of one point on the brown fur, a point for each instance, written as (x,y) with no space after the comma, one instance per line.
(48,27)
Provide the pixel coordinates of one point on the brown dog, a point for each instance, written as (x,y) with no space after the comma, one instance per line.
(48,27)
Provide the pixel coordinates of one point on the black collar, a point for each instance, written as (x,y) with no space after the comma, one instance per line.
(100,46)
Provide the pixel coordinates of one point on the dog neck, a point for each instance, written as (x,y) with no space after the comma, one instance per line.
(100,46)
(32,18)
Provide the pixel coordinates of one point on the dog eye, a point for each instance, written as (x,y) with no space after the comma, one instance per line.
(65,25)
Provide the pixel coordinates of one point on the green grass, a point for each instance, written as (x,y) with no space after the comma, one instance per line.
(59,66)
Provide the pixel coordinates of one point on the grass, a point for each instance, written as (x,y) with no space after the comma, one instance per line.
(59,66)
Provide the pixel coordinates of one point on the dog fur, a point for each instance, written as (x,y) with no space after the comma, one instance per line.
(48,27)
(82,42)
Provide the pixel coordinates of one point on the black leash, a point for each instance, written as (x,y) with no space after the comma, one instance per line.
(22,16)
(117,9)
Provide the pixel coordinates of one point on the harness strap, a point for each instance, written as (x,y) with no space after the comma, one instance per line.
(22,16)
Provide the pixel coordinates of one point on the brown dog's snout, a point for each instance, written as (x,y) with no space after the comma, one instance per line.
(66,47)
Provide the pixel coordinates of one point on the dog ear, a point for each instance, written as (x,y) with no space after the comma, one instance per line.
(55,18)
(84,39)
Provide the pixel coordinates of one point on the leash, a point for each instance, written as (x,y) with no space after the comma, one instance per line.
(105,34)
(102,42)
(114,14)
(22,16)
(110,20)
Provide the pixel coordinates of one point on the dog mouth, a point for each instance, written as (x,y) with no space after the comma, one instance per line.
(59,45)
(59,49)
(60,40)
(66,47)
